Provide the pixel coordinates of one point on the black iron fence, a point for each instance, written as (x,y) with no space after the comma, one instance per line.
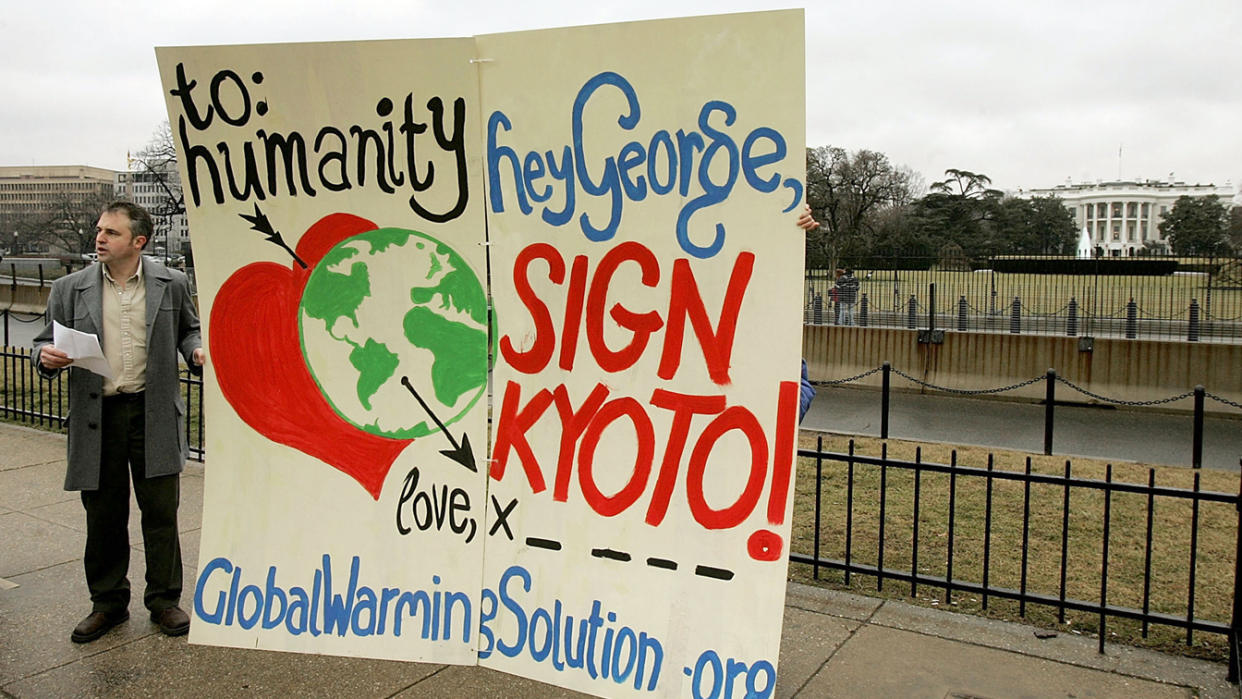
(1200,303)
(889,542)
(1059,541)
(42,270)
(29,398)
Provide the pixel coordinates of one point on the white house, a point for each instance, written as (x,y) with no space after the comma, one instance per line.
(1121,216)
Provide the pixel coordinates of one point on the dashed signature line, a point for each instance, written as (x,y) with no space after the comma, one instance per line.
(625,557)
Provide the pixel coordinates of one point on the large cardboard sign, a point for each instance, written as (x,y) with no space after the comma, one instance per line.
(625,196)
(334,194)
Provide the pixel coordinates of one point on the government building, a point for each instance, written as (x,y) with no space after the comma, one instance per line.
(1121,216)
(32,197)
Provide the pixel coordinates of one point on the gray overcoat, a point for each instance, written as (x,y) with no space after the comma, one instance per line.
(76,301)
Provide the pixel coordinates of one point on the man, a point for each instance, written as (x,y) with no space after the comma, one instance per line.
(131,423)
(847,295)
(806,392)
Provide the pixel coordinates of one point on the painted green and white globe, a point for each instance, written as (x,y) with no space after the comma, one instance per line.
(393,303)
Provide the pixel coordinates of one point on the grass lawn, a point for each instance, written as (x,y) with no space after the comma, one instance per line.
(1170,558)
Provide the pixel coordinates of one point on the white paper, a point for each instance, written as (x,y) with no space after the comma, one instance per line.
(82,348)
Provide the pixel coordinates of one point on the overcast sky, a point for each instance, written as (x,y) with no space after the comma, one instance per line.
(1030,93)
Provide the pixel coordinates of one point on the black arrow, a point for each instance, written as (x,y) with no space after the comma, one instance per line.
(259,222)
(461,453)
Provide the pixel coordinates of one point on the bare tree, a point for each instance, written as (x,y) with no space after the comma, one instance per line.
(154,168)
(66,223)
(854,196)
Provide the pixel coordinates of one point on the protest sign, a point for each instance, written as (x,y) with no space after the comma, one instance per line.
(632,190)
(646,270)
(334,198)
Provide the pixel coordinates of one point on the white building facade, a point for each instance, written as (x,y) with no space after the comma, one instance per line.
(1121,217)
(160,195)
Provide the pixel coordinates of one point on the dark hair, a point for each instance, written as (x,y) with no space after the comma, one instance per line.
(139,220)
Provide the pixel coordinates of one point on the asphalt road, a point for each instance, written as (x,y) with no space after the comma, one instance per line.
(20,328)
(1094,432)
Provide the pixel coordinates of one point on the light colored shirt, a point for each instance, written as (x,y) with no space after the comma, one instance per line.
(124,338)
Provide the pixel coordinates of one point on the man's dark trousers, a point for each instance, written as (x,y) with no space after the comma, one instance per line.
(107,516)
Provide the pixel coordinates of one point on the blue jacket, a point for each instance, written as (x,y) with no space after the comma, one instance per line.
(806,395)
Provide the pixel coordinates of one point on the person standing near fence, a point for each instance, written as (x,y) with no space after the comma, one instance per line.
(144,315)
(847,295)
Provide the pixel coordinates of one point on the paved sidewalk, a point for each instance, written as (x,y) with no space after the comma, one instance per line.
(834,644)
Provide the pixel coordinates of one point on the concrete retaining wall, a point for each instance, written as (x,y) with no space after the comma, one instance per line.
(1127,370)
(29,298)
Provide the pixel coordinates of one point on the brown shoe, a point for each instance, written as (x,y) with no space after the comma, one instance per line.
(172,621)
(95,625)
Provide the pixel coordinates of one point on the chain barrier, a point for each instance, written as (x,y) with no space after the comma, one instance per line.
(1028,382)
(1159,401)
(1032,313)
(965,391)
(34,317)
(863,375)
(1144,314)
(1220,399)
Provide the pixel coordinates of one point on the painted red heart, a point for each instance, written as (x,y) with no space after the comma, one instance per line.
(257,356)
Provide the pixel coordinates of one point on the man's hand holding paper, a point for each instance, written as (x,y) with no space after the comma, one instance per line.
(71,346)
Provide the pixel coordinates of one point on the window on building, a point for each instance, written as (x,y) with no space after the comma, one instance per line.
(1116,209)
(1101,210)
(1145,207)
(1130,232)
(1132,209)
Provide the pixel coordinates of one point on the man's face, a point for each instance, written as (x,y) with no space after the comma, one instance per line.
(114,240)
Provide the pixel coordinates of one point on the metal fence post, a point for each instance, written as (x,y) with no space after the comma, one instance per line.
(817,308)
(1071,321)
(1192,332)
(862,311)
(1196,456)
(884,393)
(1235,623)
(931,306)
(961,314)
(1015,316)
(1050,399)
(911,309)
(1131,319)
